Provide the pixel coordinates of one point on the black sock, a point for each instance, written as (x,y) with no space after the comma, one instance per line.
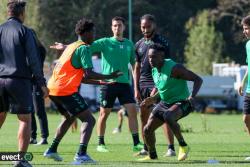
(182,142)
(82,149)
(171,146)
(153,155)
(145,147)
(136,138)
(101,140)
(54,145)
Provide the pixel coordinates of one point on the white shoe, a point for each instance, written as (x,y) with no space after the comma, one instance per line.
(52,155)
(83,159)
(116,130)
(141,153)
(170,153)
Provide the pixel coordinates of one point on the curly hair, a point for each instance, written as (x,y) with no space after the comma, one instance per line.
(157,47)
(84,25)
(246,20)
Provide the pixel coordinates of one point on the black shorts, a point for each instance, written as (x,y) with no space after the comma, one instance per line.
(72,104)
(109,93)
(163,107)
(246,106)
(145,92)
(16,95)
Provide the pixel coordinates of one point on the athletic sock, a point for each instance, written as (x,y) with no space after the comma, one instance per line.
(101,140)
(82,149)
(136,138)
(54,145)
(145,147)
(182,142)
(171,146)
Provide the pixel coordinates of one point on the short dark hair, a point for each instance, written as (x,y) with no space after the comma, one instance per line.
(148,17)
(16,7)
(246,20)
(84,25)
(157,47)
(118,18)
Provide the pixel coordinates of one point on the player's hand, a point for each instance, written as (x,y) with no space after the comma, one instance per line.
(116,74)
(240,90)
(147,102)
(45,91)
(106,83)
(58,46)
(138,96)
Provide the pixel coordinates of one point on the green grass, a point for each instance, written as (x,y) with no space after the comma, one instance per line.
(220,137)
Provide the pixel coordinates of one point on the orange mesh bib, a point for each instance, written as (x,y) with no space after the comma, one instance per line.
(66,79)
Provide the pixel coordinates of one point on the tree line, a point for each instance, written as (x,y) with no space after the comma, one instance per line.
(203,31)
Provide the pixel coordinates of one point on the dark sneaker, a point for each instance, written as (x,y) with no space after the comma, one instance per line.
(33,141)
(42,142)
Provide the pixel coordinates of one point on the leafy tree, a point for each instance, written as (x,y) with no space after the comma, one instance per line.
(204,44)
(228,15)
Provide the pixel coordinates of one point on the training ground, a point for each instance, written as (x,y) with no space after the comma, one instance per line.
(211,137)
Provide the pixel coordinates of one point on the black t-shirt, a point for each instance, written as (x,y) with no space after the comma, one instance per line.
(142,47)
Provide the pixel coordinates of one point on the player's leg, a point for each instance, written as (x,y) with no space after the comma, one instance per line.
(149,132)
(171,116)
(39,105)
(120,114)
(108,96)
(63,127)
(2,118)
(144,115)
(88,122)
(33,129)
(4,103)
(18,89)
(126,98)
(170,138)
(246,112)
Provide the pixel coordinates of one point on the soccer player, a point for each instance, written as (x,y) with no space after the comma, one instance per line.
(176,102)
(143,83)
(246,109)
(117,53)
(73,67)
(18,62)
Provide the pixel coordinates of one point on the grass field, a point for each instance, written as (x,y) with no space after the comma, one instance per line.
(216,137)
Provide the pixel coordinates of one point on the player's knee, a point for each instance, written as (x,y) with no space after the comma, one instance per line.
(169,118)
(92,121)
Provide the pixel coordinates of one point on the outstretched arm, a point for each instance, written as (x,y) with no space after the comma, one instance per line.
(180,72)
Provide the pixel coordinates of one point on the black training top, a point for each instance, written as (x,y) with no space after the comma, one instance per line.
(18,52)
(142,47)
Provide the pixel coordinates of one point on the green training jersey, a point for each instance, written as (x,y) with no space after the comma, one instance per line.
(170,89)
(248,61)
(82,57)
(116,55)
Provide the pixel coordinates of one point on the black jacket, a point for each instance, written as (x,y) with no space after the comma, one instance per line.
(18,52)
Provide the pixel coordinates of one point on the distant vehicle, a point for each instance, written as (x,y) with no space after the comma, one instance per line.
(219,91)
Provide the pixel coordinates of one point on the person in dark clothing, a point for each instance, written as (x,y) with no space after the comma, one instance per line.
(38,101)
(18,63)
(143,83)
